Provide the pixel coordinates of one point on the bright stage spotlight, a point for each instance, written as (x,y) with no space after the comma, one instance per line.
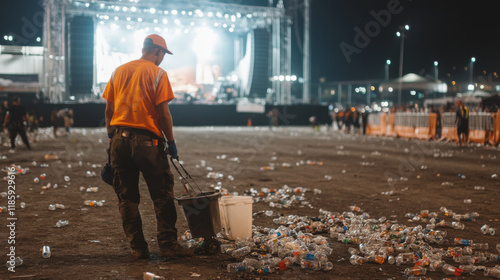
(204,43)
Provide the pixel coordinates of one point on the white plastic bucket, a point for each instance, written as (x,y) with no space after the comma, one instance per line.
(236,216)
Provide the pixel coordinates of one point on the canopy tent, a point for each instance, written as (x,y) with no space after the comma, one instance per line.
(413,81)
(475,93)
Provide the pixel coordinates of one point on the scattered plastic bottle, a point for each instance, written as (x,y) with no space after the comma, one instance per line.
(94,203)
(457,225)
(23,205)
(52,207)
(66,178)
(449,269)
(486,229)
(235,267)
(469,268)
(152,276)
(16,262)
(468,201)
(62,223)
(461,176)
(265,270)
(479,246)
(92,189)
(479,188)
(417,270)
(462,241)
(356,260)
(46,252)
(241,252)
(492,272)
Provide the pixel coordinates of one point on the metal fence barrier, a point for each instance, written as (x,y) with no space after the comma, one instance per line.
(477,120)
(412,119)
(374,119)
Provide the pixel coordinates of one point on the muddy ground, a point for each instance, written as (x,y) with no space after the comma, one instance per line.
(364,170)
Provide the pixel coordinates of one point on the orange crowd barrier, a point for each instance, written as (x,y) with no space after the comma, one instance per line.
(376,124)
(484,128)
(415,125)
(495,135)
(391,131)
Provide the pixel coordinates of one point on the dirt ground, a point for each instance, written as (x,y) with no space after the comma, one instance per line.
(384,176)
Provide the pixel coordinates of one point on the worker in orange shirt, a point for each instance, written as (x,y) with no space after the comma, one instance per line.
(138,120)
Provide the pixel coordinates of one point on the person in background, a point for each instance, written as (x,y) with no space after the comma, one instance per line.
(462,121)
(55,120)
(137,120)
(364,120)
(66,115)
(15,120)
(273,118)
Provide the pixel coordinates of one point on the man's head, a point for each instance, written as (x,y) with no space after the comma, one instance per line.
(16,99)
(460,103)
(154,49)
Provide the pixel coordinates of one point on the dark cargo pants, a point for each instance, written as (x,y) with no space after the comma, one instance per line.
(133,151)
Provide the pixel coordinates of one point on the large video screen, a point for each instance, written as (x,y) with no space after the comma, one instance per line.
(201,56)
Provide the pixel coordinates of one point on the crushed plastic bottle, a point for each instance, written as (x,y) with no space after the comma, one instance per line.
(66,178)
(468,201)
(61,223)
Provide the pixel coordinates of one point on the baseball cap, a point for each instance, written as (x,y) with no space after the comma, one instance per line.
(156,40)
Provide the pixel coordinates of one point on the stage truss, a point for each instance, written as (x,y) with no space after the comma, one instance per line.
(157,14)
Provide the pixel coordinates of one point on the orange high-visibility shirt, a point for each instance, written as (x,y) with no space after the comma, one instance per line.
(136,88)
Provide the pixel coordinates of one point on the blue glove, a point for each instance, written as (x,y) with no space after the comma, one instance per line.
(172,149)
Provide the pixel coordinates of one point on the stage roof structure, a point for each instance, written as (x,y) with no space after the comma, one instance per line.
(157,15)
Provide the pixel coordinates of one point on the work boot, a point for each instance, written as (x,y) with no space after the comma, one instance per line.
(140,253)
(175,251)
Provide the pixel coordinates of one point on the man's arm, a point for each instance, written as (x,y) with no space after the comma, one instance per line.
(165,120)
(7,119)
(108,113)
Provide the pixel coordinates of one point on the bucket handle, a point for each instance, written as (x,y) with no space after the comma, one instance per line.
(184,178)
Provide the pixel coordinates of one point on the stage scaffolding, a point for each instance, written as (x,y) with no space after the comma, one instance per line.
(238,18)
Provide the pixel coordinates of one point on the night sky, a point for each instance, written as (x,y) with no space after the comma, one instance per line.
(450,32)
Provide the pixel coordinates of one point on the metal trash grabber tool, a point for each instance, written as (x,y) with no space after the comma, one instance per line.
(184,179)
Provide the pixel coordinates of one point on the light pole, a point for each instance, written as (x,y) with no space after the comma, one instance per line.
(387,63)
(401,34)
(471,85)
(435,70)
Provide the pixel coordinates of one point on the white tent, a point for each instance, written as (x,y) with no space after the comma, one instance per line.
(475,93)
(413,81)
